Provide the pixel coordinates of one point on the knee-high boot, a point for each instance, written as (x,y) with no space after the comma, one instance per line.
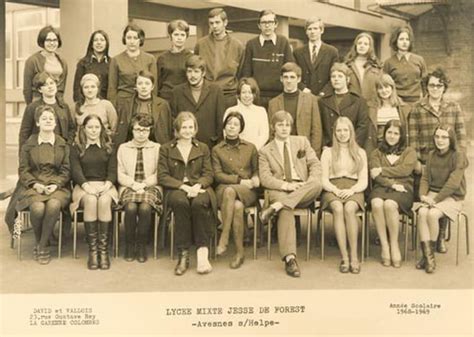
(92,236)
(104,261)
(428,248)
(441,243)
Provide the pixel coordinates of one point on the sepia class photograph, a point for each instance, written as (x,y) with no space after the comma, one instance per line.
(238,147)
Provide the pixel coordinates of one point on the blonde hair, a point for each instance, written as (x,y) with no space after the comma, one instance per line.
(354,148)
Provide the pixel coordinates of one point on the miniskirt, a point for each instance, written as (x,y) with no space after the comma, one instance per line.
(342,183)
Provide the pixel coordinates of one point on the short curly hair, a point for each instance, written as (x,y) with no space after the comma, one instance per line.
(438,73)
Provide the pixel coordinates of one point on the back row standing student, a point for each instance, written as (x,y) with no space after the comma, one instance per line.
(96,61)
(222,54)
(264,56)
(406,68)
(316,59)
(125,66)
(170,64)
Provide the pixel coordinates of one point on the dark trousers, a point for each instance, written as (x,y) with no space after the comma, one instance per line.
(193,218)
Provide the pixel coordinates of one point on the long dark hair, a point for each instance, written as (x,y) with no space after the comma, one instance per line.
(90,46)
(402,143)
(372,59)
(453,144)
(104,138)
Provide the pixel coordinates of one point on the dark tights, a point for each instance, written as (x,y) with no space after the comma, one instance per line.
(141,225)
(43,216)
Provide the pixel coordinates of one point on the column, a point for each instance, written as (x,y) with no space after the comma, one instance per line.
(3,124)
(79,20)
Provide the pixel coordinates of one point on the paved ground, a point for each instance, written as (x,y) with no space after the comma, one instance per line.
(69,275)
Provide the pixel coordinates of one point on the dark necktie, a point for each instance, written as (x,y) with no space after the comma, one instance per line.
(139,167)
(314,54)
(287,163)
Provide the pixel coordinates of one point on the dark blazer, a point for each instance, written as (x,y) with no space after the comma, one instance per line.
(209,110)
(371,143)
(160,111)
(29,158)
(353,107)
(34,65)
(198,170)
(67,126)
(316,76)
(308,118)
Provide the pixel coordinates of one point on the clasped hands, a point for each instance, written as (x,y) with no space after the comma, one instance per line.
(192,191)
(45,189)
(427,200)
(344,194)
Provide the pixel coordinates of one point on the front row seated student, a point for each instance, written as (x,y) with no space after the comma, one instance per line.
(344,179)
(442,191)
(290,173)
(303,106)
(185,172)
(94,171)
(235,163)
(144,101)
(391,169)
(140,195)
(44,174)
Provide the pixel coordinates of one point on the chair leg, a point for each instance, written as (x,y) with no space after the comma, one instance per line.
(172,236)
(269,239)
(60,240)
(367,231)
(74,235)
(255,230)
(155,239)
(466,221)
(405,248)
(322,223)
(308,235)
(457,239)
(362,252)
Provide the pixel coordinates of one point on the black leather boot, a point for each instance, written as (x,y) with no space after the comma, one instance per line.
(92,237)
(183,262)
(104,261)
(428,251)
(422,263)
(441,246)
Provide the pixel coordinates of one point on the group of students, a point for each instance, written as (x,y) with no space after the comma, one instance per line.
(197,133)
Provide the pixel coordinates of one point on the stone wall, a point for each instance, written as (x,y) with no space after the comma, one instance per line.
(433,40)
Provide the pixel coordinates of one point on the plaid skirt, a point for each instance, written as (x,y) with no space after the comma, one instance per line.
(151,196)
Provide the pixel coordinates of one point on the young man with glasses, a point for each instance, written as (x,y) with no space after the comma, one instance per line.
(223,54)
(264,56)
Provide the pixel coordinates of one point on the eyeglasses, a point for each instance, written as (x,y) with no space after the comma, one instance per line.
(142,130)
(267,22)
(51,40)
(436,86)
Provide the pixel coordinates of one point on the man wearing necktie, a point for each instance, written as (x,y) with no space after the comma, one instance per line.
(290,173)
(315,59)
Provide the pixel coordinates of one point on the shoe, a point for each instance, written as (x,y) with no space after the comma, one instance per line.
(421,264)
(183,263)
(355,267)
(203,265)
(44,256)
(386,262)
(292,268)
(266,214)
(142,255)
(35,253)
(344,266)
(397,263)
(237,262)
(129,255)
(220,250)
